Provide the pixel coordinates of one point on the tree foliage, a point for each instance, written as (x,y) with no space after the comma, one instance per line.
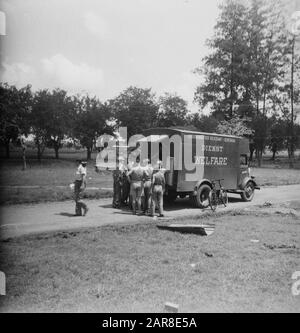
(15,107)
(172,111)
(136,109)
(92,119)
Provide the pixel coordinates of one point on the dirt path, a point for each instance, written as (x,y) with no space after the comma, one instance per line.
(18,220)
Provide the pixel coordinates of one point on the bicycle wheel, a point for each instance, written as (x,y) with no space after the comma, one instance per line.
(213,200)
(224,197)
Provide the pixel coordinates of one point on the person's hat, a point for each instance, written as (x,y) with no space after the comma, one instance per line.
(84,162)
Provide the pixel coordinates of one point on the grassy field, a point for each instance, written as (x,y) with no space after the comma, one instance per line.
(138,268)
(49,181)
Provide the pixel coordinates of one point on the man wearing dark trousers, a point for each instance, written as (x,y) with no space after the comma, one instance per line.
(79,187)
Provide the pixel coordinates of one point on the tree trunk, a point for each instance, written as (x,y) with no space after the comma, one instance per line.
(257,98)
(291,158)
(89,153)
(291,154)
(39,153)
(259,158)
(24,158)
(56,148)
(7,149)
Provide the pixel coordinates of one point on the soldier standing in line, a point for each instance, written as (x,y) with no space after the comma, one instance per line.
(135,177)
(79,187)
(130,166)
(158,188)
(125,187)
(117,186)
(147,177)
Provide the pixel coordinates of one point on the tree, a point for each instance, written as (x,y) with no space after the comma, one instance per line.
(92,120)
(136,109)
(38,120)
(260,126)
(15,106)
(51,114)
(278,136)
(223,69)
(172,111)
(293,61)
(60,110)
(204,123)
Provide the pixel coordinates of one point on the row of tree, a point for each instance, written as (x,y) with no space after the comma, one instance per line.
(52,116)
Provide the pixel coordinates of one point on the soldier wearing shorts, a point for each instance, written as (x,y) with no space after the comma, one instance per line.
(158,188)
(135,177)
(147,177)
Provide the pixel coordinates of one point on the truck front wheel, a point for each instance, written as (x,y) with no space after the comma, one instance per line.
(248,193)
(201,199)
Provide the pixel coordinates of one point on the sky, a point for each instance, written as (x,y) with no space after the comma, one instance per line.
(101,47)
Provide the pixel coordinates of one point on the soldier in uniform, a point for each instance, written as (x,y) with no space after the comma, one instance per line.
(135,177)
(125,186)
(117,186)
(147,186)
(79,186)
(158,188)
(130,166)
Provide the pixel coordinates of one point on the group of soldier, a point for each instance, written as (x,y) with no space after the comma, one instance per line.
(140,186)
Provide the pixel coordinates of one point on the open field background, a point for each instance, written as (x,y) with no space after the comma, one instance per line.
(50,179)
(137,268)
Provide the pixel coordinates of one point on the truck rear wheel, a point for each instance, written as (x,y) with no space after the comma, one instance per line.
(201,199)
(248,193)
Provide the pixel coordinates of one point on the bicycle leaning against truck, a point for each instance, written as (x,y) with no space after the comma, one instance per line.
(217,196)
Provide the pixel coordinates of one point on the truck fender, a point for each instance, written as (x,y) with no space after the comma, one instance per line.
(201,182)
(249,179)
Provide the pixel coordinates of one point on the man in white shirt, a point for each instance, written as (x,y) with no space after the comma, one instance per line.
(80,185)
